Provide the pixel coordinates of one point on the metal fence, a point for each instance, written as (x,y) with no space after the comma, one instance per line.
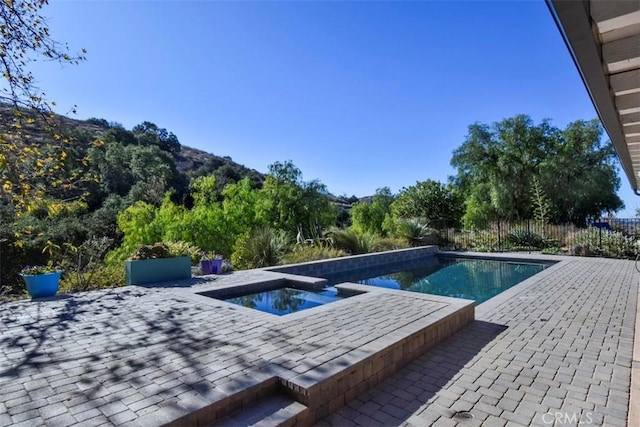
(530,234)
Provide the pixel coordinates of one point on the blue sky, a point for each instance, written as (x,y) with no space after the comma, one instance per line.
(359,95)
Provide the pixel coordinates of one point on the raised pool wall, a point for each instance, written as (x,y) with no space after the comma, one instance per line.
(331,266)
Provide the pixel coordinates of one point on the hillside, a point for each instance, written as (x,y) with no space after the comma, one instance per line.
(187,160)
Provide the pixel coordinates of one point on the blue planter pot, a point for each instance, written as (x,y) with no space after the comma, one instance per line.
(211,266)
(42,285)
(140,272)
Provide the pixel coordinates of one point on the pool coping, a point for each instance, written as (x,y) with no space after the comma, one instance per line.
(506,295)
(408,254)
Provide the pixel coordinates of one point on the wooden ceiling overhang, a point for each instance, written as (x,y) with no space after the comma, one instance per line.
(603,37)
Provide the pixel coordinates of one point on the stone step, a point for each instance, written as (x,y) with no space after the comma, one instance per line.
(271,411)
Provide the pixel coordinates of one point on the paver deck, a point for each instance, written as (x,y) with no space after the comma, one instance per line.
(557,345)
(556,350)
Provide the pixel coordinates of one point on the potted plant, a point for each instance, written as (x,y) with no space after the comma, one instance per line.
(156,263)
(211,263)
(42,281)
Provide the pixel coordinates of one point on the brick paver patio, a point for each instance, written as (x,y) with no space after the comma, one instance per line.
(560,344)
(557,353)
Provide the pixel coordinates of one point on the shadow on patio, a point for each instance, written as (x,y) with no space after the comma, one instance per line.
(130,347)
(420,383)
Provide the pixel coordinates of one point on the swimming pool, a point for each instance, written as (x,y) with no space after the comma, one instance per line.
(469,278)
(286,300)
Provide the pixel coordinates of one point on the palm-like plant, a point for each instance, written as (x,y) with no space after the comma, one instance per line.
(262,247)
(416,232)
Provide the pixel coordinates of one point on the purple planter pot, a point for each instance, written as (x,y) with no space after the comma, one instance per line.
(211,266)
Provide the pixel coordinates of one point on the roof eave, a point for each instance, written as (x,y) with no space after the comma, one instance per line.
(577,28)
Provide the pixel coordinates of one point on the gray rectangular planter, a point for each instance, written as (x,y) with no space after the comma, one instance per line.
(144,271)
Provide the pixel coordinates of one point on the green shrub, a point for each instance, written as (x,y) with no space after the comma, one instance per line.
(584,249)
(182,248)
(82,264)
(305,253)
(168,250)
(227,266)
(479,240)
(611,244)
(553,250)
(261,247)
(351,241)
(527,239)
(102,277)
(155,251)
(561,234)
(382,244)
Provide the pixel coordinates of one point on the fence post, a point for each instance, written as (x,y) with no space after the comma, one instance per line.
(499,237)
(446,228)
(600,233)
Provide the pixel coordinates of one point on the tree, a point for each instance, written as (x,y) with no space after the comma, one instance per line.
(429,200)
(478,206)
(103,123)
(154,171)
(204,190)
(112,163)
(103,222)
(117,133)
(580,175)
(496,166)
(368,217)
(25,37)
(138,225)
(226,172)
(239,207)
(33,173)
(506,157)
(148,133)
(286,202)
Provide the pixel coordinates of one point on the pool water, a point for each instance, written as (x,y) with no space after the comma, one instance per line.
(286,300)
(474,279)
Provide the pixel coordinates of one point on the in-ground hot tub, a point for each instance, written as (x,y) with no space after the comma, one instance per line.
(281,297)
